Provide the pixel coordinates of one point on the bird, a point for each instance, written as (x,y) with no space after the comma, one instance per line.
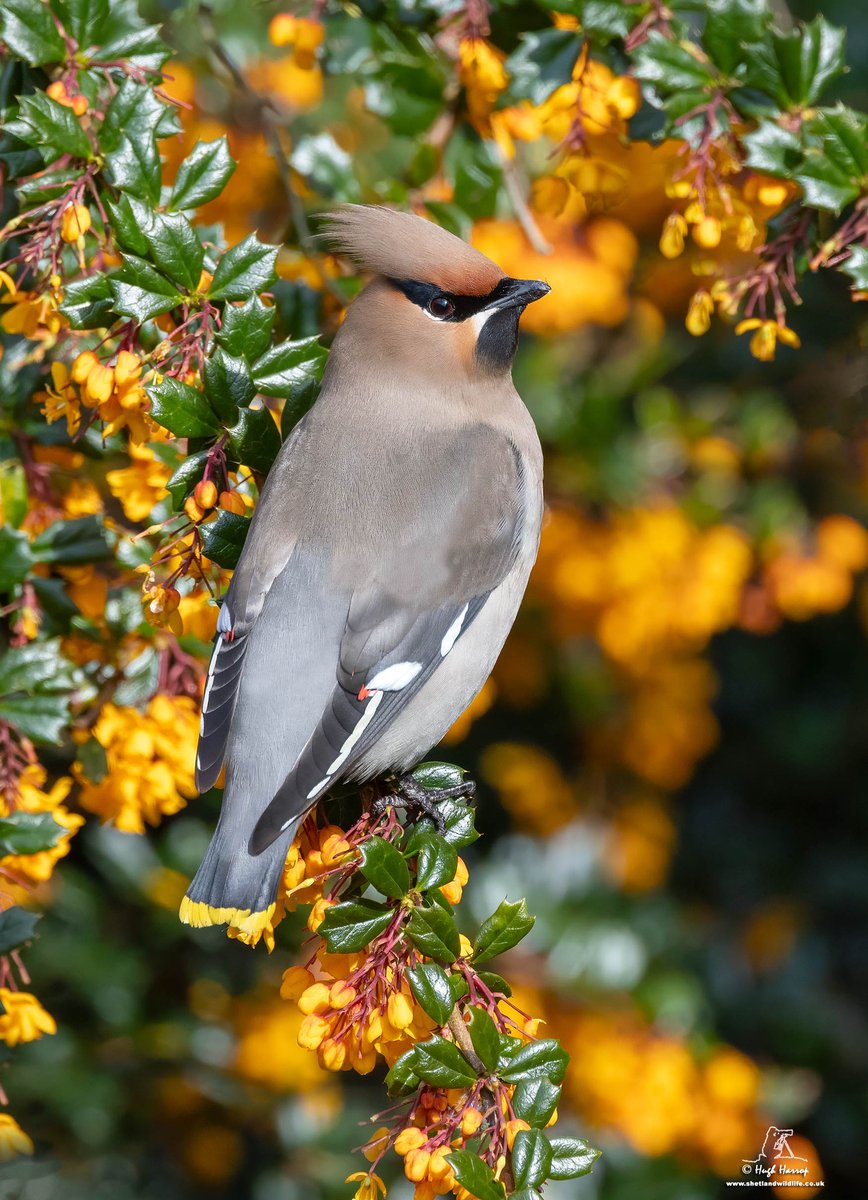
(386,558)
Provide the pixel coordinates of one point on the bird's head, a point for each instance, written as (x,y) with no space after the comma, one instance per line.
(432,294)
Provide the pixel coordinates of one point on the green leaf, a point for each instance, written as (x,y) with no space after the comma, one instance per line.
(442,1064)
(185,478)
(729,24)
(246,328)
(485,1038)
(36,666)
(85,20)
(134,114)
(92,758)
(71,543)
(402,1079)
(475,1175)
(16,928)
(545,1059)
(431,987)
(383,866)
(175,245)
(531,1158)
(13,496)
(228,384)
(141,292)
(127,219)
(301,400)
(434,933)
(543,62)
(794,67)
(223,538)
(495,983)
(674,66)
(458,986)
(42,718)
(126,36)
(535,1101)
(15,557)
(288,365)
(245,268)
(353,925)
(29,31)
(254,438)
(438,861)
(135,167)
(202,175)
(28,833)
(835,168)
(856,266)
(438,775)
(50,126)
(571,1157)
(604,20)
(87,302)
(772,149)
(504,929)
(182,409)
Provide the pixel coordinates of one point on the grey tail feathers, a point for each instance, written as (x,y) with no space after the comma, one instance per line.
(233,886)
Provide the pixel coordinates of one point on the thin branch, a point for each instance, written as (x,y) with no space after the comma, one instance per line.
(516,195)
(458,1029)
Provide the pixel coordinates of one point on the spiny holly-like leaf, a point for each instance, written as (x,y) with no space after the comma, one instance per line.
(28,833)
(71,543)
(175,245)
(383,866)
(288,365)
(202,175)
(571,1158)
(16,928)
(134,113)
(135,167)
(437,775)
(141,292)
(126,36)
(435,933)
(246,328)
(299,401)
(442,1064)
(835,168)
(535,1101)
(86,20)
(228,384)
(42,718)
(352,926)
(437,863)
(485,1038)
(245,268)
(794,67)
(431,987)
(403,1079)
(28,29)
(729,24)
(128,218)
(504,929)
(604,20)
(50,127)
(531,1158)
(223,538)
(856,266)
(772,149)
(671,65)
(87,302)
(544,1059)
(182,409)
(185,478)
(16,558)
(254,439)
(475,1175)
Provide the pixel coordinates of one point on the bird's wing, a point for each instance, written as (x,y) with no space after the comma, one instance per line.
(452,543)
(262,560)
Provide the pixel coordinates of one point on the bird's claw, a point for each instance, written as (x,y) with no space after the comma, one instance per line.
(428,800)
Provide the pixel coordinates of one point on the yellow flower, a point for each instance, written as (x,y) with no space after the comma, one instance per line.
(149,759)
(766,336)
(268,1050)
(698,320)
(483,77)
(23,1019)
(33,315)
(61,400)
(32,798)
(672,237)
(141,485)
(13,1139)
(370,1186)
(75,222)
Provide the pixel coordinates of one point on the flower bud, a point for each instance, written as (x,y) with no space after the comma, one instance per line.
(128,368)
(99,384)
(205,494)
(416,1165)
(399,1011)
(333,1055)
(83,365)
(707,233)
(409,1139)
(314,999)
(192,509)
(232,502)
(512,1129)
(470,1121)
(318,913)
(75,222)
(313,1032)
(295,981)
(373,1148)
(341,994)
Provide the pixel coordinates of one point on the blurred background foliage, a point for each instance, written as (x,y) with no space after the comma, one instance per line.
(672,749)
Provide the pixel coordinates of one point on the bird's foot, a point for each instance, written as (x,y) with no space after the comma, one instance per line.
(427,801)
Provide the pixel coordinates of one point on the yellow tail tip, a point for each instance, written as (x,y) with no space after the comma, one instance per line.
(198,914)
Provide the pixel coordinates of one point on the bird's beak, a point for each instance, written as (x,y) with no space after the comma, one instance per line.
(517,293)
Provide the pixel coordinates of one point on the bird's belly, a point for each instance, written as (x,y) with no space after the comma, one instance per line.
(459,678)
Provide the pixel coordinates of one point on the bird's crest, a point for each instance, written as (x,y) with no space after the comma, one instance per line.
(402,246)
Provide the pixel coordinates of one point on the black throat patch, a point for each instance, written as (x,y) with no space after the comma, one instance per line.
(498,339)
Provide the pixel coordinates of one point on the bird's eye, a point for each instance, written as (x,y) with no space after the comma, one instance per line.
(441,307)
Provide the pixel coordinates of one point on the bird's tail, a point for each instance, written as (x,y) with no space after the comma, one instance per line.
(235,887)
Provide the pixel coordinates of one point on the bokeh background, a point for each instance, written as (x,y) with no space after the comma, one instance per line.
(672,751)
